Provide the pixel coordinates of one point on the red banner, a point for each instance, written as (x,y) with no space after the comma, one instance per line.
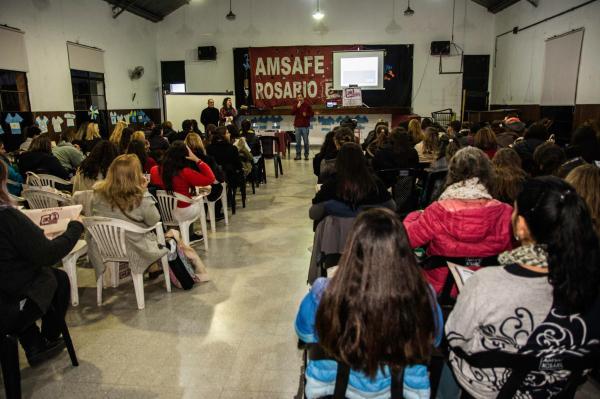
(279,74)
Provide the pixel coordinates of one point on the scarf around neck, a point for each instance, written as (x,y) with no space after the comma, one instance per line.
(467,190)
(531,255)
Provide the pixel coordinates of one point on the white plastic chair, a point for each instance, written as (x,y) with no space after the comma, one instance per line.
(167,204)
(70,265)
(109,236)
(42,197)
(211,208)
(42,180)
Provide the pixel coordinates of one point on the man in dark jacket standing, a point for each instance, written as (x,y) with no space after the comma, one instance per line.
(210,115)
(302,112)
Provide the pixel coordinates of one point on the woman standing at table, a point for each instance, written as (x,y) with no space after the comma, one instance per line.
(228,113)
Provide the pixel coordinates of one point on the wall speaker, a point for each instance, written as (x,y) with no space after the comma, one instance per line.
(207,53)
(440,48)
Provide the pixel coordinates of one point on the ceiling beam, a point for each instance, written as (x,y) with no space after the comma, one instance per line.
(119,6)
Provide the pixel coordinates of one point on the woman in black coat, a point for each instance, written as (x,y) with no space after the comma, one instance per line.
(30,288)
(39,159)
(398,153)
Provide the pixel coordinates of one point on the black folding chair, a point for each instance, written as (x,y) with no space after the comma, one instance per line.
(522,365)
(404,188)
(434,184)
(9,358)
(270,150)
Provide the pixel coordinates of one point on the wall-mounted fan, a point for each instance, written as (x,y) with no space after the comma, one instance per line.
(136,73)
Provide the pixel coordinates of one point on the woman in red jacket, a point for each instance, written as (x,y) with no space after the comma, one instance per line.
(175,174)
(465,221)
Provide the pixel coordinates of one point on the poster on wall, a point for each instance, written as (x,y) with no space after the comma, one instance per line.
(352,97)
(267,77)
(279,74)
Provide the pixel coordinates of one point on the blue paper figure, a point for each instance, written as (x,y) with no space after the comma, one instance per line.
(14,121)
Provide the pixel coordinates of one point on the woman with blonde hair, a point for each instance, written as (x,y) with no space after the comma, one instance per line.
(115,137)
(123,194)
(428,148)
(91,138)
(414,129)
(585,179)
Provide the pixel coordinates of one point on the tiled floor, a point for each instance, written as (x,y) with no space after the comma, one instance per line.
(232,338)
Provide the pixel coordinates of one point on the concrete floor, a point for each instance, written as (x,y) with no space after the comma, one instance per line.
(227,339)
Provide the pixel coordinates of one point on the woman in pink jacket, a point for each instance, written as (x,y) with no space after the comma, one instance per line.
(465,221)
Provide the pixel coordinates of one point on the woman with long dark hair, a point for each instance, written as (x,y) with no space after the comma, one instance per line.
(352,188)
(341,136)
(95,166)
(397,153)
(176,176)
(377,314)
(228,113)
(543,300)
(39,159)
(328,151)
(138,147)
(125,140)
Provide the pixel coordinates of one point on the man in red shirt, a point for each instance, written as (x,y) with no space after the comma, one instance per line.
(302,112)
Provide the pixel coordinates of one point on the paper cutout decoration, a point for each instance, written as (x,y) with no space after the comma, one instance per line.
(1,130)
(42,123)
(93,112)
(113,118)
(56,124)
(14,121)
(70,118)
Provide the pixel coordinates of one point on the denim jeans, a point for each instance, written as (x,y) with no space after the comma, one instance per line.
(301,133)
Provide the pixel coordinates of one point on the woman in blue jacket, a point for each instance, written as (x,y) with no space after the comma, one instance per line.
(376,313)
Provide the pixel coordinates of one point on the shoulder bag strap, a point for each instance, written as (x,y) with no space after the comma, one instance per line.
(341,381)
(397,388)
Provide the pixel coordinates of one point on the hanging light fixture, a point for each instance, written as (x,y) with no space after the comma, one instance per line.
(409,11)
(318,15)
(230,16)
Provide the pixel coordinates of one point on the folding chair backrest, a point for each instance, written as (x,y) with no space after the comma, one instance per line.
(268,144)
(109,236)
(40,198)
(43,180)
(433,186)
(166,205)
(34,180)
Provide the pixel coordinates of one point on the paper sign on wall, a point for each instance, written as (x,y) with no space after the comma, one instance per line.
(352,97)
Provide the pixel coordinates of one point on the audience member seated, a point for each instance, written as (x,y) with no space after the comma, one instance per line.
(525,147)
(415,132)
(372,135)
(397,153)
(508,175)
(381,139)
(429,147)
(248,133)
(328,151)
(115,136)
(186,127)
(194,142)
(39,159)
(12,174)
(158,143)
(138,147)
(513,129)
(544,299)
(585,143)
(141,136)
(95,166)
(31,132)
(341,136)
(210,130)
(176,176)
(123,194)
(89,138)
(376,315)
(453,129)
(240,143)
(126,135)
(167,130)
(485,140)
(226,155)
(69,156)
(586,181)
(548,158)
(465,221)
(352,188)
(30,287)
(195,128)
(448,147)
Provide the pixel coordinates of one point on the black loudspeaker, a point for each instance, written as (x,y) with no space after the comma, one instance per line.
(207,53)
(440,48)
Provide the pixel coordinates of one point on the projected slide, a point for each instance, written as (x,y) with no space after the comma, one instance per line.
(361,71)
